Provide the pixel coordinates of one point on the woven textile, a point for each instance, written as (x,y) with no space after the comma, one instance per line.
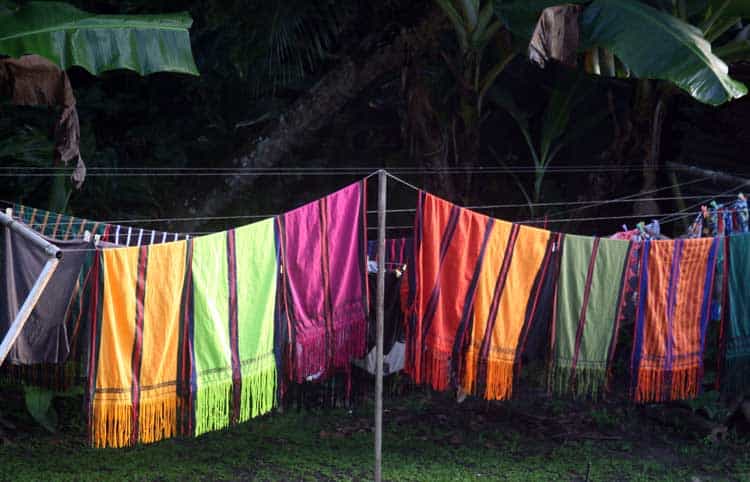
(675,283)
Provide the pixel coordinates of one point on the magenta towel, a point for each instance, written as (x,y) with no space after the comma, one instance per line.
(324,283)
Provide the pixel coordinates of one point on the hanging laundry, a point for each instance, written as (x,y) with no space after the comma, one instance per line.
(398,252)
(586,323)
(393,326)
(64,227)
(324,282)
(46,338)
(232,339)
(720,219)
(138,353)
(675,284)
(471,298)
(735,329)
(508,288)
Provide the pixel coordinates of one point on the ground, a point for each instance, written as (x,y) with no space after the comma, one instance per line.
(428,437)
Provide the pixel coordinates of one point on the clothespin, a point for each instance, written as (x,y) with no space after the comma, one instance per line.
(9,212)
(87,235)
(741,197)
(714,205)
(704,211)
(97,238)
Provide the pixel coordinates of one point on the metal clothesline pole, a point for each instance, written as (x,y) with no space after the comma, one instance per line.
(379,315)
(54,256)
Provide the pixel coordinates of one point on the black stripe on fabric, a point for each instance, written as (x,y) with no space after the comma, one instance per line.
(95,335)
(582,314)
(183,344)
(622,292)
(538,304)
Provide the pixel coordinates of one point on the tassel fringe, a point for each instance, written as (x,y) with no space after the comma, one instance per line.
(111,424)
(213,406)
(580,383)
(310,351)
(259,389)
(491,380)
(652,384)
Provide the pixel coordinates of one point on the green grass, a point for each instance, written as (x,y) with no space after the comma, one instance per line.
(425,440)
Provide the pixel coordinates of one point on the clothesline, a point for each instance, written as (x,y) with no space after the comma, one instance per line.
(350,171)
(394,211)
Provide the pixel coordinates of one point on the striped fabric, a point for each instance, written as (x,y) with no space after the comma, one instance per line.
(675,284)
(64,227)
(471,290)
(507,289)
(587,317)
(232,331)
(136,345)
(324,282)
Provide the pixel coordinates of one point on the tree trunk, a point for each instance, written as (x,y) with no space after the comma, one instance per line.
(313,111)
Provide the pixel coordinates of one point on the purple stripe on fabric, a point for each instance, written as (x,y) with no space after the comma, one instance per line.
(233,327)
(674,280)
(635,361)
(707,293)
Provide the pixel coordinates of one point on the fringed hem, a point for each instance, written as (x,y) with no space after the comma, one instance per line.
(468,380)
(258,391)
(499,383)
(157,419)
(111,425)
(436,369)
(311,357)
(736,375)
(654,385)
(212,406)
(579,382)
(491,379)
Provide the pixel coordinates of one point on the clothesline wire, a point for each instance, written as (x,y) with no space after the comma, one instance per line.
(389,211)
(678,214)
(692,207)
(351,171)
(639,196)
(320,168)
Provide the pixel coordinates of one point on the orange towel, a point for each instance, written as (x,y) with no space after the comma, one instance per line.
(464,287)
(675,283)
(135,345)
(505,290)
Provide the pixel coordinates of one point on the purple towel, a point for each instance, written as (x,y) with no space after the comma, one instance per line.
(325,295)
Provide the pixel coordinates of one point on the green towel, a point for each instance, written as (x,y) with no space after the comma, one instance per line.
(234,291)
(586,320)
(736,326)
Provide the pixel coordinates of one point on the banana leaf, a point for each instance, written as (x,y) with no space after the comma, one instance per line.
(69,36)
(656,45)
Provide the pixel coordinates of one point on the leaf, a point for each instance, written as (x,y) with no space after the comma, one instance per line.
(39,405)
(720,15)
(520,16)
(68,36)
(734,51)
(656,45)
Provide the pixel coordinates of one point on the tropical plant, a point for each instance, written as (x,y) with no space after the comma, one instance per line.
(69,36)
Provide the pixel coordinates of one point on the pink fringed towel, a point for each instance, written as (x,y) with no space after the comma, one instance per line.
(324,283)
